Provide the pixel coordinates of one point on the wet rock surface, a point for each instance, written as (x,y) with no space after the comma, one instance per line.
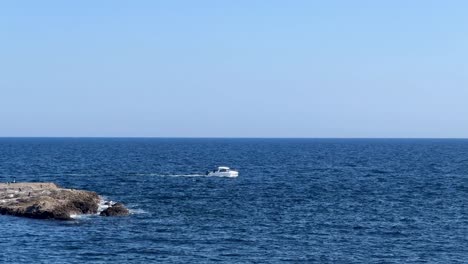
(48,201)
(117,209)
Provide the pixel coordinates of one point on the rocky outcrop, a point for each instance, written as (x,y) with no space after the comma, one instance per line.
(117,209)
(46,201)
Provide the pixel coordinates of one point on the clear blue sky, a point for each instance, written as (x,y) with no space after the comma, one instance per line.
(234,68)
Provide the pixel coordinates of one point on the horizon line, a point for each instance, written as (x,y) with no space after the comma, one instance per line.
(215,137)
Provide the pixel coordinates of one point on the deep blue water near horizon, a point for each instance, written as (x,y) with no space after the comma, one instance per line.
(296,200)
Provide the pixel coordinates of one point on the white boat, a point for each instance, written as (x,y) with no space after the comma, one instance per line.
(223,172)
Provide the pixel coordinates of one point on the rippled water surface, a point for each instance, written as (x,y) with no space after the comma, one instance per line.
(296,200)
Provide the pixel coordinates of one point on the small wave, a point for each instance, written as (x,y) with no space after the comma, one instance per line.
(104,203)
(138,211)
(75,174)
(181,175)
(81,216)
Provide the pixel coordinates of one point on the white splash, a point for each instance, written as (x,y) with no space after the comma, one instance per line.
(104,204)
(79,216)
(138,211)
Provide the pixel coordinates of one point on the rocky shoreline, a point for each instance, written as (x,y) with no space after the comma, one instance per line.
(48,201)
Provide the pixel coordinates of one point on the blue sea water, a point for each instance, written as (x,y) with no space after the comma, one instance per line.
(295,201)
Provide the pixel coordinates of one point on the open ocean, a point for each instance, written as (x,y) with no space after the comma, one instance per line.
(295,200)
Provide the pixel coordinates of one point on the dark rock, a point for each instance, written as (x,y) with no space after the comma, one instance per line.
(47,201)
(117,209)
